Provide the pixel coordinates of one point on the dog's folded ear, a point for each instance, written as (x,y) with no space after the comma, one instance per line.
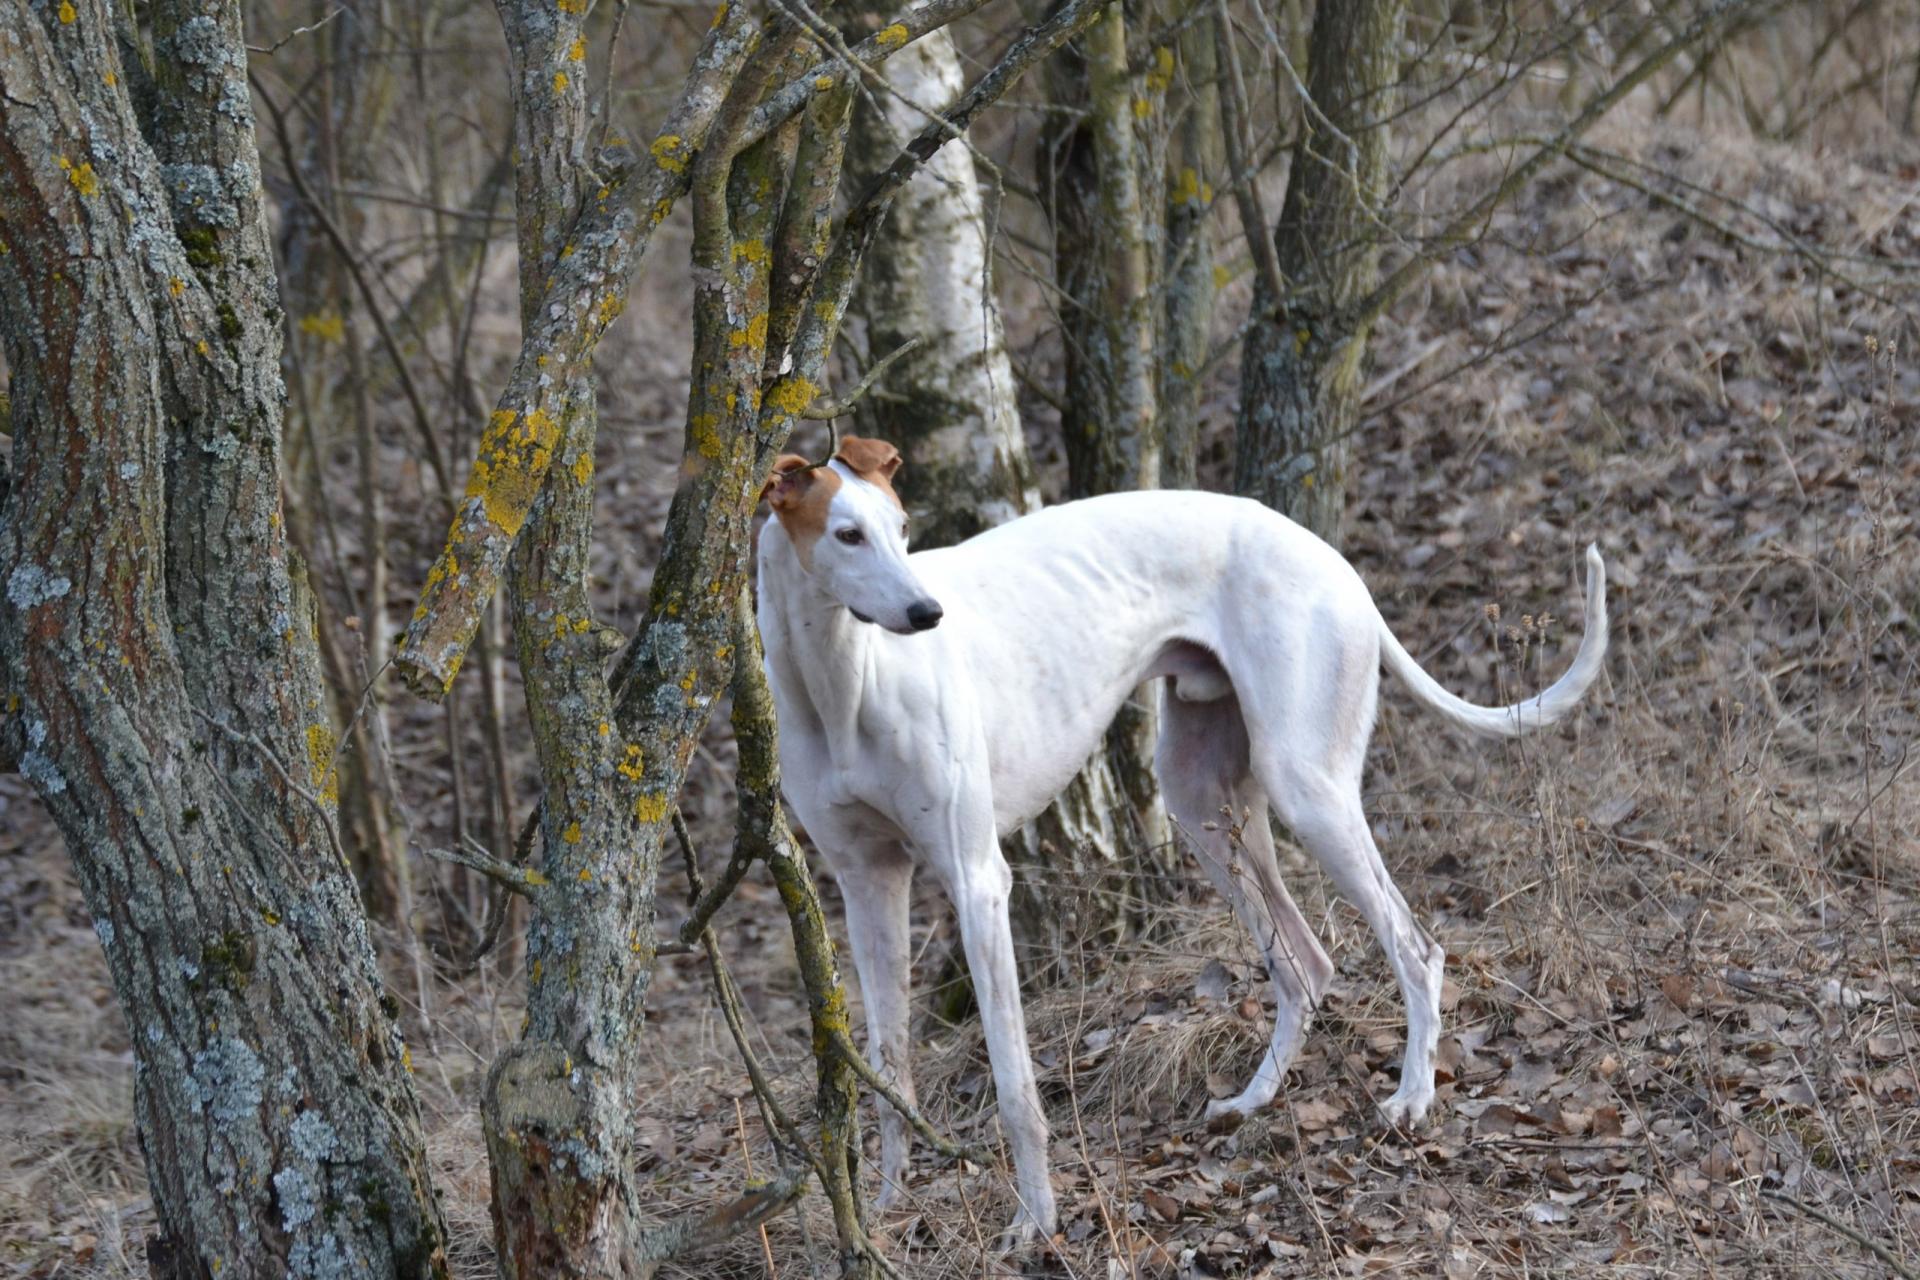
(792,474)
(868,457)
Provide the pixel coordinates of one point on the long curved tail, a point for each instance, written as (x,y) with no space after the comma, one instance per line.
(1559,698)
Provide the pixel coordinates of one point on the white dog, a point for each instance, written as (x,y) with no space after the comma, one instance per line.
(902,744)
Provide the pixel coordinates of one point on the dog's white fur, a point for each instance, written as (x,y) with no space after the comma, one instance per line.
(901,750)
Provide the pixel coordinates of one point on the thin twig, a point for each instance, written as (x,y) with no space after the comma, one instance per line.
(423,422)
(513,879)
(286,778)
(874,1080)
(295,34)
(1854,1234)
(824,410)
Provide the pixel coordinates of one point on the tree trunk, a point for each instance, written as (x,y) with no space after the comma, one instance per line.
(1198,166)
(555,1110)
(951,407)
(160,659)
(1104,266)
(1300,369)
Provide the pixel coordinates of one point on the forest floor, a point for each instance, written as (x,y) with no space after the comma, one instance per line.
(1682,933)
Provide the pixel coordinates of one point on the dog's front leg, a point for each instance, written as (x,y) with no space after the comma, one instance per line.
(876,880)
(981,884)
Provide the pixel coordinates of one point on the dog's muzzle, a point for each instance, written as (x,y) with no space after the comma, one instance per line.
(925,615)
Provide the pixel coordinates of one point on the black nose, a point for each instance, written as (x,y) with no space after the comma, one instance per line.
(924,615)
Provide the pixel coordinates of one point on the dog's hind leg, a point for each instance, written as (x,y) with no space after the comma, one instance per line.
(1203,768)
(876,882)
(1309,747)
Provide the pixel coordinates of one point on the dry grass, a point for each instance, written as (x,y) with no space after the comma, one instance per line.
(1682,936)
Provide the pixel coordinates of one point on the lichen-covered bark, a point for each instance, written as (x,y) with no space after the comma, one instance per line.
(160,661)
(1300,367)
(587,288)
(1090,171)
(556,1107)
(1196,168)
(763,829)
(583,290)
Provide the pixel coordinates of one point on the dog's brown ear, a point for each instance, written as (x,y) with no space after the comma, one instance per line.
(868,457)
(792,476)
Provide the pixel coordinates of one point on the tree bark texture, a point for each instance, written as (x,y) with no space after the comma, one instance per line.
(1197,166)
(1300,367)
(162,670)
(951,406)
(1107,273)
(556,1109)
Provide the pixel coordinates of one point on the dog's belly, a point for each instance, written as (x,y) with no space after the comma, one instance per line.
(1032,763)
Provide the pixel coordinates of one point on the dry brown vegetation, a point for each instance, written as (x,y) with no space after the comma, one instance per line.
(1681,934)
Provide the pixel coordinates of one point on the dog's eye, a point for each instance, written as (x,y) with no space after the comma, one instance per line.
(903,533)
(852,537)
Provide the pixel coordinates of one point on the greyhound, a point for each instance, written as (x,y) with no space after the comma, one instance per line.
(929,702)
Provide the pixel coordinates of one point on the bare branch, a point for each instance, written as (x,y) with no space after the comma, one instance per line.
(827,410)
(1712,18)
(588,289)
(879,1084)
(1246,194)
(521,880)
(689,1235)
(584,292)
(269,50)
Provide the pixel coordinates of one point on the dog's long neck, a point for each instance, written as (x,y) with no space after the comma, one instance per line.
(817,651)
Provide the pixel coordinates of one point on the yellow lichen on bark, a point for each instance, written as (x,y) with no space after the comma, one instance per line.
(754,335)
(511,463)
(320,743)
(82,176)
(706,435)
(891,37)
(668,151)
(791,396)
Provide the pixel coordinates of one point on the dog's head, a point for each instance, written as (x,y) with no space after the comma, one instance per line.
(850,531)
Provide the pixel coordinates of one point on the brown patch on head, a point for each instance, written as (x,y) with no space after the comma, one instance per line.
(800,494)
(874,461)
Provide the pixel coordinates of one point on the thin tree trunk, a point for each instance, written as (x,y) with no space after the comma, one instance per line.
(1300,368)
(1198,165)
(1104,266)
(161,648)
(554,1109)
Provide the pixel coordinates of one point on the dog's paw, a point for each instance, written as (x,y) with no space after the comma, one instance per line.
(1407,1108)
(1224,1115)
(1024,1232)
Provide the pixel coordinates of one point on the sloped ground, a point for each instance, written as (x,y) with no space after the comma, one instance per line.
(1681,933)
